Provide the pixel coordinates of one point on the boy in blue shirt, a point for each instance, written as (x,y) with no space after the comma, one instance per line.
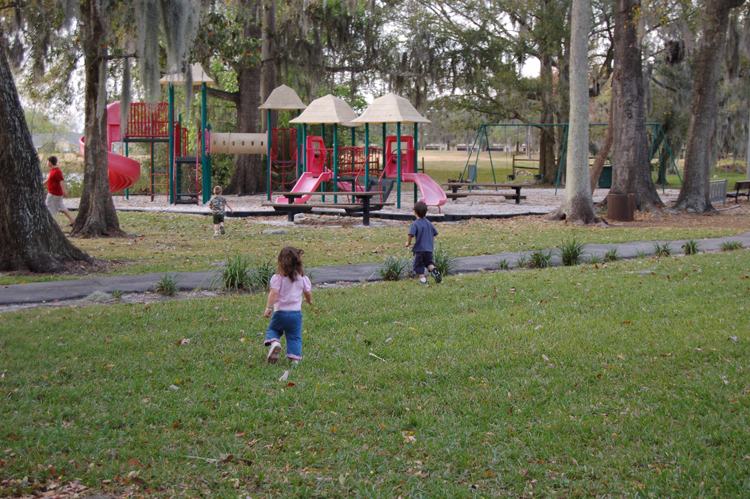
(424,234)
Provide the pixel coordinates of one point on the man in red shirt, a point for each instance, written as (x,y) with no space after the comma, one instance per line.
(56,190)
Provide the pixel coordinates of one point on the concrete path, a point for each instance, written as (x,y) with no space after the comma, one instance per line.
(79,288)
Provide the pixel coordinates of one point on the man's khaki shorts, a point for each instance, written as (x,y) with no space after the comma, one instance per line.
(55,204)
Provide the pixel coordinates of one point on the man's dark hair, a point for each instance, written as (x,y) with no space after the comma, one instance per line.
(420,208)
(53,160)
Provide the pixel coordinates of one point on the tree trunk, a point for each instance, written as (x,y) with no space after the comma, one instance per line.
(547,162)
(269,48)
(97,216)
(578,205)
(631,171)
(694,195)
(601,157)
(29,237)
(249,172)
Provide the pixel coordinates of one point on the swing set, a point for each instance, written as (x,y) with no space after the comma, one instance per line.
(529,147)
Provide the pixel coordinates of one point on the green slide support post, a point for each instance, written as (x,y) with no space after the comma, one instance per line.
(205,159)
(268,143)
(398,164)
(335,161)
(367,156)
(416,156)
(171,143)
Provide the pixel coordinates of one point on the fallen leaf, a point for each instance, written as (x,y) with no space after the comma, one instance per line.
(222,319)
(546,359)
(138,481)
(284,376)
(291,384)
(107,340)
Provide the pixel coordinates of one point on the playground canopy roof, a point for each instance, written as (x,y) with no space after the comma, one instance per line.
(199,76)
(391,108)
(283,98)
(328,110)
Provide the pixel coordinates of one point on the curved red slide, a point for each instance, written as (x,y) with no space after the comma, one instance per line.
(123,172)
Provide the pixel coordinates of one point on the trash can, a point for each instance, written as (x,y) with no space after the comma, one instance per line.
(605,178)
(621,207)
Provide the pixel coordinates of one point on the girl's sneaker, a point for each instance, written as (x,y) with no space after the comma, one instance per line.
(221,227)
(435,273)
(273,352)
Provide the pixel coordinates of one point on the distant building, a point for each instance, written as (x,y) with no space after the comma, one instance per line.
(56,142)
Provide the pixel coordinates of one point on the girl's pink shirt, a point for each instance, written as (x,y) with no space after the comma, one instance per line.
(290,293)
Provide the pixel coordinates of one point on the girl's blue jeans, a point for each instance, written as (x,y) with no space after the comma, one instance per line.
(287,322)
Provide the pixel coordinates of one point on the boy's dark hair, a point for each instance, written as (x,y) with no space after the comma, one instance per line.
(290,262)
(217,190)
(420,208)
(53,160)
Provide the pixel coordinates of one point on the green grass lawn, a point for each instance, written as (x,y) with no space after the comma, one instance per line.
(599,381)
(173,242)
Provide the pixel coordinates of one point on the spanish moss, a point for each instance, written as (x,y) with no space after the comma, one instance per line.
(147,24)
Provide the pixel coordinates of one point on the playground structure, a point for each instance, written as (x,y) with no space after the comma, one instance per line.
(517,149)
(349,169)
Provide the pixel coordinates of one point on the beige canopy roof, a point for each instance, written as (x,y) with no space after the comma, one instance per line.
(283,98)
(199,76)
(327,110)
(391,108)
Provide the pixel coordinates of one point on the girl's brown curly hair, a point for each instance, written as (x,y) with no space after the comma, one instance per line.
(290,262)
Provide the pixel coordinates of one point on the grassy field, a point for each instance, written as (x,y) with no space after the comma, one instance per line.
(624,380)
(171,242)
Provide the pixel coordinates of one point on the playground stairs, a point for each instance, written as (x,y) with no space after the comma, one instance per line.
(187,180)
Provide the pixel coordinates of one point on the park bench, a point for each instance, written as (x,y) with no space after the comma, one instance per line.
(717,192)
(739,186)
(365,206)
(455,194)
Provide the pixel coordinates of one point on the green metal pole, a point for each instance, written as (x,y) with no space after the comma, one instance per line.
(127,190)
(670,154)
(489,152)
(335,161)
(367,156)
(384,152)
(178,170)
(479,152)
(299,140)
(468,159)
(416,156)
(205,160)
(323,132)
(304,148)
(562,158)
(152,171)
(207,193)
(398,164)
(354,137)
(171,143)
(268,144)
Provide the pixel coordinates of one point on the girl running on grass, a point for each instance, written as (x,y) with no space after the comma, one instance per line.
(288,285)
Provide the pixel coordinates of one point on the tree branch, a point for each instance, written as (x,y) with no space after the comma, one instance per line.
(224,95)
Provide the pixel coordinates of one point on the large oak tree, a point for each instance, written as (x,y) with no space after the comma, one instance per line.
(30,239)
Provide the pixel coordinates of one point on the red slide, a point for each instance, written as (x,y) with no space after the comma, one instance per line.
(123,172)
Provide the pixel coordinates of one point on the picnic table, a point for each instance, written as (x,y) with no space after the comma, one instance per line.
(455,186)
(364,205)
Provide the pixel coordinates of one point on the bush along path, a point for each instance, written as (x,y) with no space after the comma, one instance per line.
(39,292)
